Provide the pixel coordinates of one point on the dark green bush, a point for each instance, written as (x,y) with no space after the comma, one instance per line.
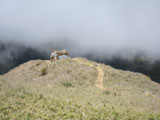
(43,71)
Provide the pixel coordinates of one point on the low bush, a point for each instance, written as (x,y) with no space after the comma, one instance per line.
(67,84)
(43,71)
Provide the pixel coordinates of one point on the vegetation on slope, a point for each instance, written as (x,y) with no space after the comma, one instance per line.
(67,91)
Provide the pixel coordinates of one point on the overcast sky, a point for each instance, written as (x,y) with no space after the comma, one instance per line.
(100,25)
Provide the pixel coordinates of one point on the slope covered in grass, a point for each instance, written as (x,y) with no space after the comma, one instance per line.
(69,89)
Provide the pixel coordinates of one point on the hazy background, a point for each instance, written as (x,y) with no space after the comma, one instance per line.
(97,29)
(99,25)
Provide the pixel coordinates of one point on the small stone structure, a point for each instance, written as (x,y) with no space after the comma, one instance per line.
(59,55)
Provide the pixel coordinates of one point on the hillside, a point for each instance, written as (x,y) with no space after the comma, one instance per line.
(77,89)
(13,53)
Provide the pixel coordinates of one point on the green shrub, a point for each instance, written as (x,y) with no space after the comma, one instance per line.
(43,71)
(37,64)
(106,92)
(67,84)
(68,71)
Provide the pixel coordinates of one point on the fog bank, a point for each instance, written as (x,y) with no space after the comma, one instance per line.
(103,27)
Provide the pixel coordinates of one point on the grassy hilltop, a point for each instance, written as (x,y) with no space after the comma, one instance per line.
(77,89)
